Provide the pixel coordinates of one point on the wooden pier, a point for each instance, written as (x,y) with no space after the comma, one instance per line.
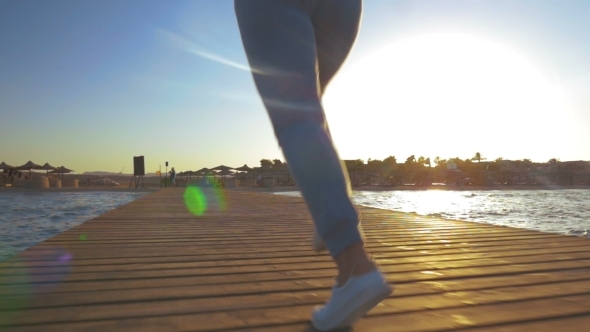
(245,264)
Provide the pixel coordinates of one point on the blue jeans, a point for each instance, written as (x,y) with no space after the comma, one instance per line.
(294,48)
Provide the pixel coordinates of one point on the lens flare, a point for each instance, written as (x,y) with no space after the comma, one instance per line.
(198,201)
(82,237)
(195,200)
(48,267)
(219,199)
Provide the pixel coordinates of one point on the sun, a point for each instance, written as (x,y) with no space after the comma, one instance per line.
(432,92)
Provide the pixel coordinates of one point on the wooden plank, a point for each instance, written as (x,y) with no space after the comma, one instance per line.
(51,312)
(152,266)
(97,265)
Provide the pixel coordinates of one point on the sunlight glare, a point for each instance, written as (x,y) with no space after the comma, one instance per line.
(445,87)
(193,48)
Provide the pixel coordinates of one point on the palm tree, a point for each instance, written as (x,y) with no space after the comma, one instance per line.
(478,157)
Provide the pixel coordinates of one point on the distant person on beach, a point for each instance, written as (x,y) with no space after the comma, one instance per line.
(173,177)
(294,48)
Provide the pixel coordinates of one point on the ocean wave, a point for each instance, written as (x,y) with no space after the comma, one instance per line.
(555,211)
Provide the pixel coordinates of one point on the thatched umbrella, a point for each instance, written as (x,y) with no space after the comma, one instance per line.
(190,175)
(222,168)
(223,173)
(203,171)
(29,166)
(244,168)
(48,168)
(61,170)
(4,165)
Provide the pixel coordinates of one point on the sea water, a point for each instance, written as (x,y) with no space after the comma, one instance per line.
(29,218)
(555,211)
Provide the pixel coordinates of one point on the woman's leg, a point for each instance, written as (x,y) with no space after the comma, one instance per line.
(336,25)
(280,43)
(279,39)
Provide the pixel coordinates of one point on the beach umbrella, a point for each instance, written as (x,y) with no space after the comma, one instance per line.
(244,168)
(65,170)
(185,173)
(202,171)
(214,173)
(4,165)
(181,174)
(225,172)
(222,168)
(61,170)
(29,166)
(191,174)
(47,168)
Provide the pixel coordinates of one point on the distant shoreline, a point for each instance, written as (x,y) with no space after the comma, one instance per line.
(418,188)
(294,188)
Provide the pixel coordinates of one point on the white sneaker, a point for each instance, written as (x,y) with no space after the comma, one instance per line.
(319,245)
(351,301)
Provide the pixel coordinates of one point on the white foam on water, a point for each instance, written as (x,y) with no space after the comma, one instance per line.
(554,211)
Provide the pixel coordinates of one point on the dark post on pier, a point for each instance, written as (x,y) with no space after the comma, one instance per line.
(138,171)
(189,259)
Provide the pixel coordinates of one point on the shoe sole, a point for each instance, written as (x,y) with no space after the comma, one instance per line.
(381,294)
(365,308)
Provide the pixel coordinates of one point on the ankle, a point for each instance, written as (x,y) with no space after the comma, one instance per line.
(358,270)
(353,261)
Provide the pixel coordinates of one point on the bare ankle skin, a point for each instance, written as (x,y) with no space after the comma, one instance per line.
(353,261)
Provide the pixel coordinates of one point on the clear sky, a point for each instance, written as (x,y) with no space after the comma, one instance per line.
(90,84)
